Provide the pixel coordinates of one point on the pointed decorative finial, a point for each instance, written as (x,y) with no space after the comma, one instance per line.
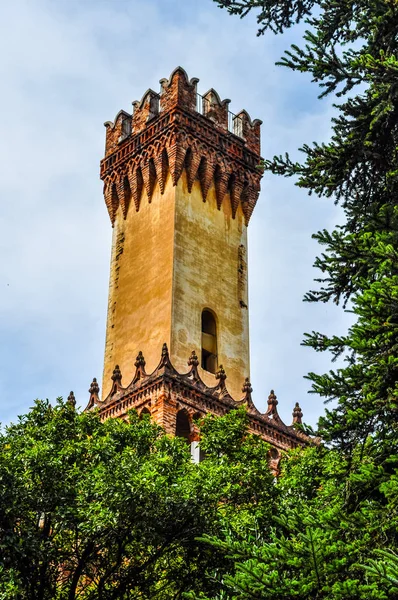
(139,367)
(297,414)
(165,358)
(117,375)
(71,399)
(94,388)
(221,377)
(193,360)
(247,398)
(140,361)
(272,404)
(247,388)
(93,391)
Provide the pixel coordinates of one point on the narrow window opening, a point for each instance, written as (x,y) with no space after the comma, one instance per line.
(125,129)
(183,426)
(209,342)
(238,126)
(145,411)
(153,107)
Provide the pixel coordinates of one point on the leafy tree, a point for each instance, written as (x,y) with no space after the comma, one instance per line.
(112,510)
(321,537)
(385,570)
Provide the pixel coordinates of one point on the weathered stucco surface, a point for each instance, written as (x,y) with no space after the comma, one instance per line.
(140,287)
(174,257)
(206,260)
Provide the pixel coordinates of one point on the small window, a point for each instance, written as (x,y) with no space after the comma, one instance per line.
(183,426)
(209,342)
(153,107)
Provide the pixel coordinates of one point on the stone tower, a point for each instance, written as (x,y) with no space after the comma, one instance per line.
(181,179)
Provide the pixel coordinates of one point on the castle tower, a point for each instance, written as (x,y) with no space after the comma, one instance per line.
(181,180)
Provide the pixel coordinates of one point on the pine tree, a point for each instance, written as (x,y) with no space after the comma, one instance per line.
(350,49)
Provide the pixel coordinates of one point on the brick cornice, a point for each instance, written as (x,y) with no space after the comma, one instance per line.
(194,395)
(180,121)
(177,138)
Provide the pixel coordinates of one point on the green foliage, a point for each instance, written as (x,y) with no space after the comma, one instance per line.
(334,530)
(385,570)
(111,510)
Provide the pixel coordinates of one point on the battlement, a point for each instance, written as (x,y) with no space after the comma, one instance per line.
(179,129)
(179,91)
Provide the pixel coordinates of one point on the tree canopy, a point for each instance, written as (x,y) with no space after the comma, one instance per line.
(112,510)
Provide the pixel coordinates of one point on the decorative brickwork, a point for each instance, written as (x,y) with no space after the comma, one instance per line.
(165,392)
(166,133)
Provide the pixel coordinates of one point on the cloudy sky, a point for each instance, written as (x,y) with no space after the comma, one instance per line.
(66,67)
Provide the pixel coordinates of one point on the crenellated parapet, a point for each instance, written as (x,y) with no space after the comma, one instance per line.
(217,110)
(178,130)
(178,90)
(165,392)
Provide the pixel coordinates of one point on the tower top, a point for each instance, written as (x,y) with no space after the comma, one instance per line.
(178,128)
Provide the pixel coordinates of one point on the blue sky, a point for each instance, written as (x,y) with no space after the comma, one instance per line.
(67,66)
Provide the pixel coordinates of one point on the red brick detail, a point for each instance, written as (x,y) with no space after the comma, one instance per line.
(149,176)
(145,110)
(178,90)
(123,192)
(176,155)
(168,135)
(114,131)
(192,162)
(206,174)
(161,166)
(136,182)
(221,179)
(236,188)
(251,131)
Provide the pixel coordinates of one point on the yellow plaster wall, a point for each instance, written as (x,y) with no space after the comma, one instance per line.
(169,261)
(206,257)
(140,288)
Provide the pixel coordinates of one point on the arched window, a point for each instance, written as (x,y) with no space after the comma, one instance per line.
(183,426)
(209,342)
(145,411)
